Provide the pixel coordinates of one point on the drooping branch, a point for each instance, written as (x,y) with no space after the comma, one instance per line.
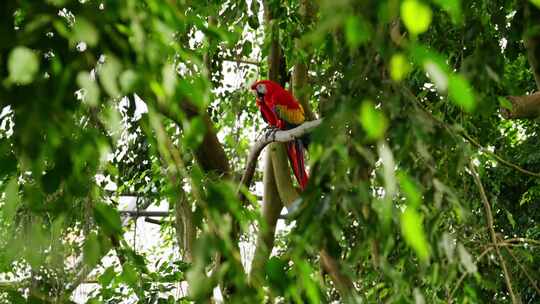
(279,136)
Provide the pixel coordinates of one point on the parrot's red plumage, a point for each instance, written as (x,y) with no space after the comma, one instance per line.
(281,110)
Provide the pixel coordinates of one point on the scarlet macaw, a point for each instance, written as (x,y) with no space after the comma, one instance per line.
(281,110)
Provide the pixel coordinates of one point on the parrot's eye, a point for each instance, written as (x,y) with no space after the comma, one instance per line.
(261,89)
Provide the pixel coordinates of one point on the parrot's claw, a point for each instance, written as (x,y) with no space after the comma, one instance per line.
(271,133)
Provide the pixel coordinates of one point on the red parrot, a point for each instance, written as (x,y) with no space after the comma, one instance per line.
(281,110)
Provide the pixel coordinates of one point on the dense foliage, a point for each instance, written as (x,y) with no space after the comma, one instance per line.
(153,98)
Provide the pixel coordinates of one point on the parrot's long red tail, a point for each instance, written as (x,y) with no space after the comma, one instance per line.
(295,151)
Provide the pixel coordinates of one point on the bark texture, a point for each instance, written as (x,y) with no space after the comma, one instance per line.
(527,106)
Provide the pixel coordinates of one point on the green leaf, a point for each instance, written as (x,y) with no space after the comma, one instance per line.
(12,199)
(399,67)
(433,63)
(23,65)
(437,75)
(461,93)
(109,74)
(57,2)
(84,31)
(169,79)
(466,259)
(128,81)
(356,31)
(413,233)
(108,275)
(536,3)
(416,16)
(91,250)
(276,273)
(8,161)
(51,180)
(453,7)
(410,190)
(129,275)
(505,103)
(510,218)
(253,19)
(195,130)
(372,120)
(108,218)
(90,88)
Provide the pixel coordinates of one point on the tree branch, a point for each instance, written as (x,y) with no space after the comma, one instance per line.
(489,223)
(280,136)
(244,61)
(460,280)
(527,106)
(529,277)
(343,284)
(138,213)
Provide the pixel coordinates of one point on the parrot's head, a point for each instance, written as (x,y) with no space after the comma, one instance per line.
(260,88)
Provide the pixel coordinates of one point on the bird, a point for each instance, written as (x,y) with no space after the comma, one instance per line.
(281,111)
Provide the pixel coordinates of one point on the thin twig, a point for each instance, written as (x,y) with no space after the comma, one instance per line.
(522,240)
(533,283)
(135,213)
(497,157)
(489,219)
(244,61)
(460,280)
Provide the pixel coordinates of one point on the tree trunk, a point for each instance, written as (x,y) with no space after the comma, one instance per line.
(272,206)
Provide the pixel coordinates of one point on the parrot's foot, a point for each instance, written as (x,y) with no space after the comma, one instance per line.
(264,132)
(271,133)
